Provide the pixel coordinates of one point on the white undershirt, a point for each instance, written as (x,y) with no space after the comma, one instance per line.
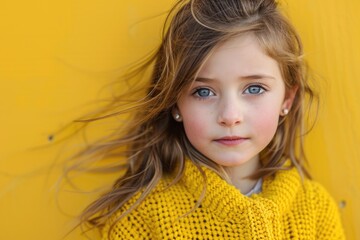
(256,189)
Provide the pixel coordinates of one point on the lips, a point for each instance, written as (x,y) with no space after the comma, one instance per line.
(231,140)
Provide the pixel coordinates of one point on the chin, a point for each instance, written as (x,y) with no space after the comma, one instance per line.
(232,162)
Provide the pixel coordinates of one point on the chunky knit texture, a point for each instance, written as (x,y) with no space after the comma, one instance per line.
(287,208)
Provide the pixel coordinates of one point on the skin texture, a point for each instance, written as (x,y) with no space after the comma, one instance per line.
(231,112)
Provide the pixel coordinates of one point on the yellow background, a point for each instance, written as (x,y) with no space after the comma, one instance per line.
(57,58)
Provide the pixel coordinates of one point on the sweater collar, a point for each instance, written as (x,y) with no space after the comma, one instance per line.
(224,199)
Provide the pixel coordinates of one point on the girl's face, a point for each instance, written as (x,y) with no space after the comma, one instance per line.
(231,111)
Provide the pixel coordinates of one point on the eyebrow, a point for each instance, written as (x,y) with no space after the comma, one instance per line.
(246,78)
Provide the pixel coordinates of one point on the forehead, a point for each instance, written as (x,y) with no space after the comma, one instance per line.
(239,56)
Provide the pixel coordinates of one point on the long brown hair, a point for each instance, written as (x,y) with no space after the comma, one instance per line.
(152,144)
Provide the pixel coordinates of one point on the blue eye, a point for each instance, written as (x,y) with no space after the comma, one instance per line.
(203,92)
(254,89)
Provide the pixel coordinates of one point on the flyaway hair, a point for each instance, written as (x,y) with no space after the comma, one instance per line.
(152,144)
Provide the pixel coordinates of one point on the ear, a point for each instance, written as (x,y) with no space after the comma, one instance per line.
(288,101)
(176,114)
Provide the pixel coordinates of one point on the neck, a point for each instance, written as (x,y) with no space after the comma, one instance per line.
(239,174)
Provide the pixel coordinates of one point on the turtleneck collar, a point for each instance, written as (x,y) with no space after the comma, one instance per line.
(225,200)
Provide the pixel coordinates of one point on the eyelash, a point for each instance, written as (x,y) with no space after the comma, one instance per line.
(261,89)
(211,93)
(197,90)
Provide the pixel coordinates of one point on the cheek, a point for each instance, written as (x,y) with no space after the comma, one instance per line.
(266,123)
(195,127)
(195,120)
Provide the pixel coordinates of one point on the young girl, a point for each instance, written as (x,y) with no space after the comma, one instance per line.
(214,148)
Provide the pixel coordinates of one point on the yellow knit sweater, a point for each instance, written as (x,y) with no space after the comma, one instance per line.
(285,209)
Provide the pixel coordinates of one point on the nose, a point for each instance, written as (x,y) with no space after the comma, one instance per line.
(230,113)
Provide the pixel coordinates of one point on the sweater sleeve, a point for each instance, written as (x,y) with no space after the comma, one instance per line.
(132,226)
(328,219)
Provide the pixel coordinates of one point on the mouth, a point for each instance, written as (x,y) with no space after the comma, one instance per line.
(231,140)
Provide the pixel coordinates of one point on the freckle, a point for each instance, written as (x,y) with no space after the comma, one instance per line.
(342,204)
(50,138)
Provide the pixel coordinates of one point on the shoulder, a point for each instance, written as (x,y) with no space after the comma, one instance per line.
(306,202)
(165,203)
(289,183)
(303,191)
(319,196)
(325,210)
(167,197)
(165,194)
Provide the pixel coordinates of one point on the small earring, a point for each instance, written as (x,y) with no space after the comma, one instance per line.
(177,117)
(285,111)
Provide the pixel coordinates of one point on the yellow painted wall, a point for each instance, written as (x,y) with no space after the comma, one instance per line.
(56,57)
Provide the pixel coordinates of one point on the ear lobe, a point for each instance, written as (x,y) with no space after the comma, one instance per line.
(176,114)
(288,101)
